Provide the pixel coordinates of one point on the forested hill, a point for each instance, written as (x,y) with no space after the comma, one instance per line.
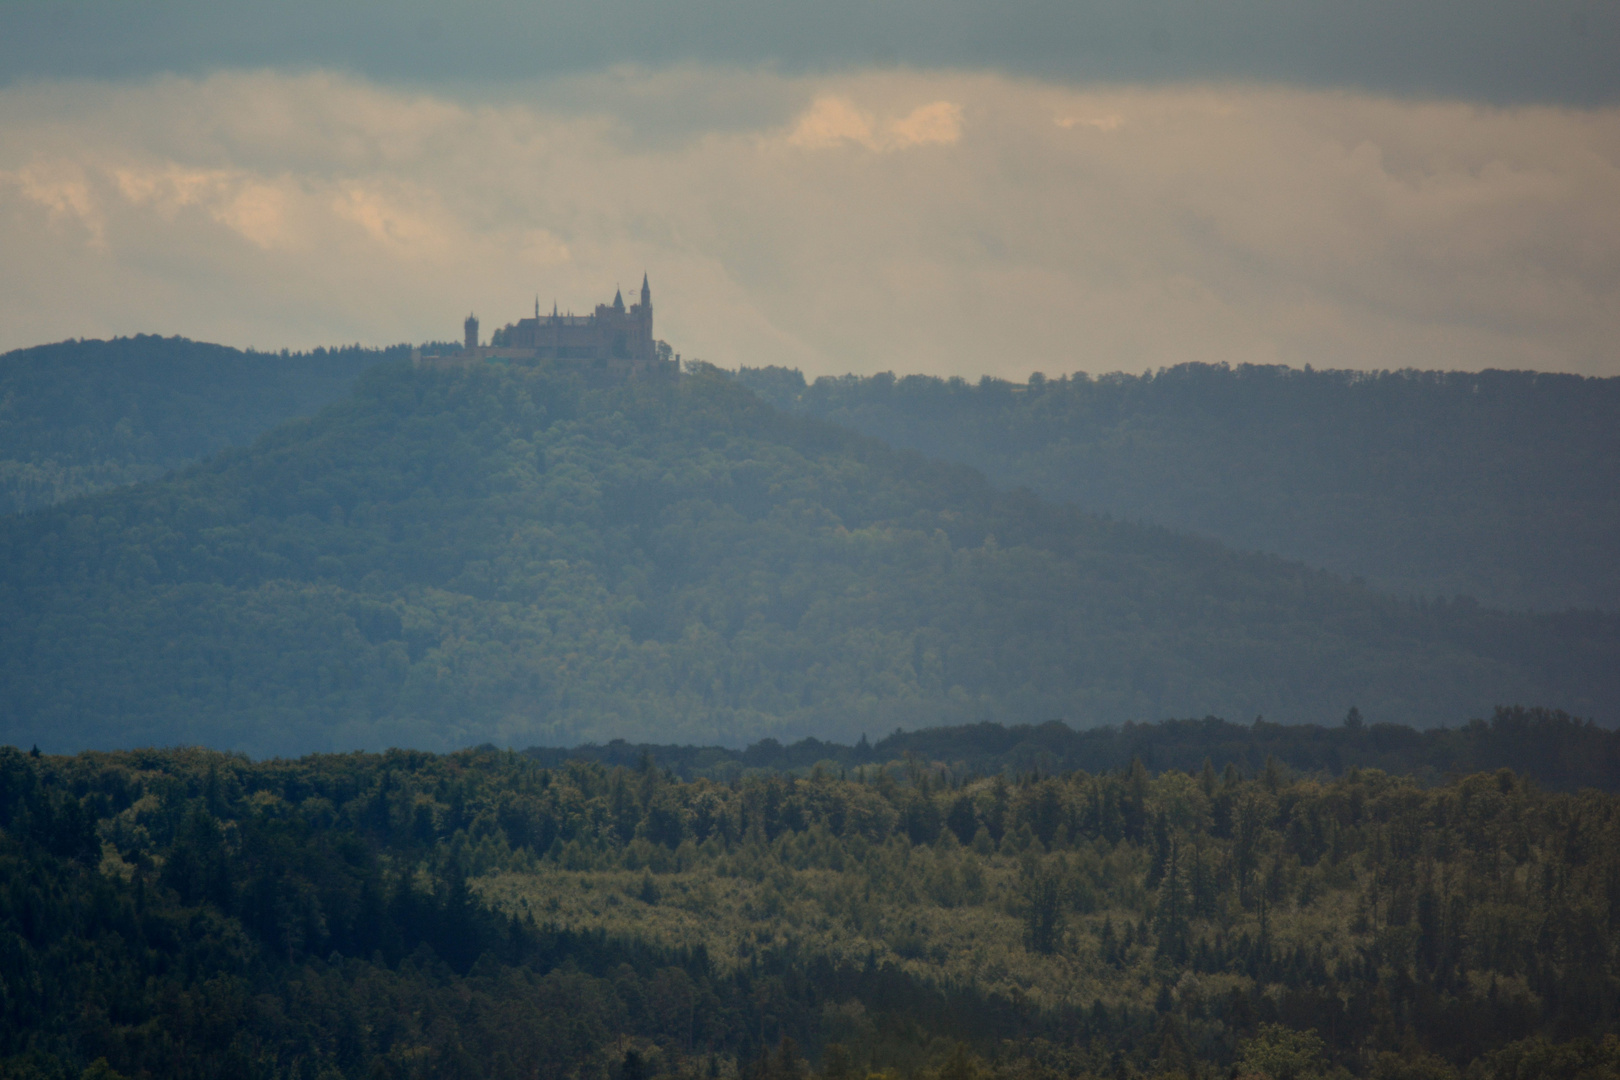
(449,558)
(1502,486)
(82,416)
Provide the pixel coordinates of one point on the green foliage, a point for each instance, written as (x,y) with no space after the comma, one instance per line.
(519,557)
(194,914)
(1499,485)
(1280,1053)
(82,416)
(1042,901)
(1544,1059)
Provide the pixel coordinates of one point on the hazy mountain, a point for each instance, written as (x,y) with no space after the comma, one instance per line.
(1501,485)
(506,555)
(82,416)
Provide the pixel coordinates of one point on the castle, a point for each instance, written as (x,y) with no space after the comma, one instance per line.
(613,338)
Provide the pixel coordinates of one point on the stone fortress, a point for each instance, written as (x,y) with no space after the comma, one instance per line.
(613,339)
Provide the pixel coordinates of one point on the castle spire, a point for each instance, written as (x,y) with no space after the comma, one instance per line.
(618,300)
(646,293)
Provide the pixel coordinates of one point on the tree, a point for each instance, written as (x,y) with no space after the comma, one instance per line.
(1042,894)
(1282,1053)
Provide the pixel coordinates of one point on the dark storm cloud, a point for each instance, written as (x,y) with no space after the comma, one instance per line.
(1502,51)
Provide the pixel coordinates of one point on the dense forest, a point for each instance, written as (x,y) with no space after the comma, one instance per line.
(1551,748)
(192,914)
(83,416)
(518,557)
(1503,486)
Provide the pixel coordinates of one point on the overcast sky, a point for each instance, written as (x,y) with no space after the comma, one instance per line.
(954,188)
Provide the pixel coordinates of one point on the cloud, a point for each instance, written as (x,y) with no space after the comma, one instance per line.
(255,210)
(1110,122)
(392,225)
(937,124)
(831,121)
(61,189)
(835,121)
(938,221)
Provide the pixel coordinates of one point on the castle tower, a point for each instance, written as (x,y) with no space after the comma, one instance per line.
(644,328)
(470,330)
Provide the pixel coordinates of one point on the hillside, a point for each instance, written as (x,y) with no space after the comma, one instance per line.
(79,417)
(406,916)
(449,558)
(1502,486)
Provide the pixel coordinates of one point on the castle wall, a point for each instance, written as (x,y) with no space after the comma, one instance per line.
(608,334)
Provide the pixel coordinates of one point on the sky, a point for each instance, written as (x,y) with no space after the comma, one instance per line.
(951,188)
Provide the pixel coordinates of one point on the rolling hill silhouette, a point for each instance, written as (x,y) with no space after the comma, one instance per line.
(522,557)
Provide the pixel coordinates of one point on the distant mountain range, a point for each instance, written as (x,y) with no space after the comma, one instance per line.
(1499,485)
(521,557)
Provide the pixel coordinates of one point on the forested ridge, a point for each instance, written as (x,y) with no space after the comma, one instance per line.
(1404,478)
(189,913)
(1551,748)
(1503,486)
(520,557)
(78,417)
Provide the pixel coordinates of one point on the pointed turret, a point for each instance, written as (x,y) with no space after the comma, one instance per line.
(618,300)
(646,293)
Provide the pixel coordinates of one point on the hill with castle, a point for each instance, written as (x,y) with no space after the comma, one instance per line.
(564,537)
(493,552)
(612,340)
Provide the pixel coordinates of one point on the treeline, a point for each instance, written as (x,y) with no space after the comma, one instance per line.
(189,915)
(79,417)
(193,914)
(1553,749)
(1497,485)
(452,557)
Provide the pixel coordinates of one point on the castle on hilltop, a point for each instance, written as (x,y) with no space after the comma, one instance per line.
(612,338)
